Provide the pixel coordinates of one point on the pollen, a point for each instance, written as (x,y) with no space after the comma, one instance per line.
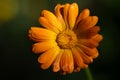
(66,39)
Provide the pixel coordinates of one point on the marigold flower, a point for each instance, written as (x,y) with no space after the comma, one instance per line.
(69,41)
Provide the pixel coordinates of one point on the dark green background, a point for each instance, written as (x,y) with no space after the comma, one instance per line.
(18,62)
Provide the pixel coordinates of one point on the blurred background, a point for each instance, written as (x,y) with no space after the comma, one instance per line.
(18,62)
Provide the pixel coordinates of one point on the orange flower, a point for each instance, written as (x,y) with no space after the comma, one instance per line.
(68,42)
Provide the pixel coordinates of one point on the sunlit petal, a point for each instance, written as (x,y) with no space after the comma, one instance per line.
(67,63)
(65,13)
(48,57)
(43,46)
(50,21)
(56,64)
(40,34)
(72,14)
(59,15)
(44,22)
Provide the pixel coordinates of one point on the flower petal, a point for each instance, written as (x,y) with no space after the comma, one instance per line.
(84,14)
(90,32)
(50,21)
(72,14)
(90,52)
(67,63)
(78,59)
(97,38)
(43,46)
(88,42)
(87,59)
(87,23)
(48,57)
(56,64)
(59,14)
(40,34)
(65,14)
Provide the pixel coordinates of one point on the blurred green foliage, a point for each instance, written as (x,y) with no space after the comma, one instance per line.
(19,62)
(8,9)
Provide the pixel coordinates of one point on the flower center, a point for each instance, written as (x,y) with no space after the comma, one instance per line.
(66,39)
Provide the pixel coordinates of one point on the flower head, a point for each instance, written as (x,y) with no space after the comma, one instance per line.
(69,41)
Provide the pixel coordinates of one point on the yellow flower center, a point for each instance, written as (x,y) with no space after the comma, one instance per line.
(66,39)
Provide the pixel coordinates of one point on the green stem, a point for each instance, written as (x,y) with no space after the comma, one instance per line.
(88,73)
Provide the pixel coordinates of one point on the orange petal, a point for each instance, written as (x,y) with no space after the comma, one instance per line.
(59,15)
(87,23)
(78,59)
(87,59)
(84,14)
(48,57)
(90,32)
(40,34)
(72,14)
(88,42)
(97,37)
(90,52)
(56,64)
(50,21)
(65,14)
(67,63)
(43,46)
(44,22)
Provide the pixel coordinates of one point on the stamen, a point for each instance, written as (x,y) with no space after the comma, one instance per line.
(66,39)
